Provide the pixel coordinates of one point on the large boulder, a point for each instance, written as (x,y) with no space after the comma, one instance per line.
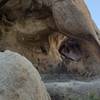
(19,80)
(72,18)
(30,30)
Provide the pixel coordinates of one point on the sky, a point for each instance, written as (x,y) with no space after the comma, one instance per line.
(94,7)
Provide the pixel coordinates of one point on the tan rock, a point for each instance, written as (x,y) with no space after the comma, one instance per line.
(72,18)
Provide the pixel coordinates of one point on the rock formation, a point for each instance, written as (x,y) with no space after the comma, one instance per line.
(72,18)
(19,80)
(50,34)
(31,30)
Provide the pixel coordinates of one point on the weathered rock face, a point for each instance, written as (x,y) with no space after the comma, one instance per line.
(32,36)
(33,39)
(15,9)
(79,57)
(72,18)
(30,30)
(19,80)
